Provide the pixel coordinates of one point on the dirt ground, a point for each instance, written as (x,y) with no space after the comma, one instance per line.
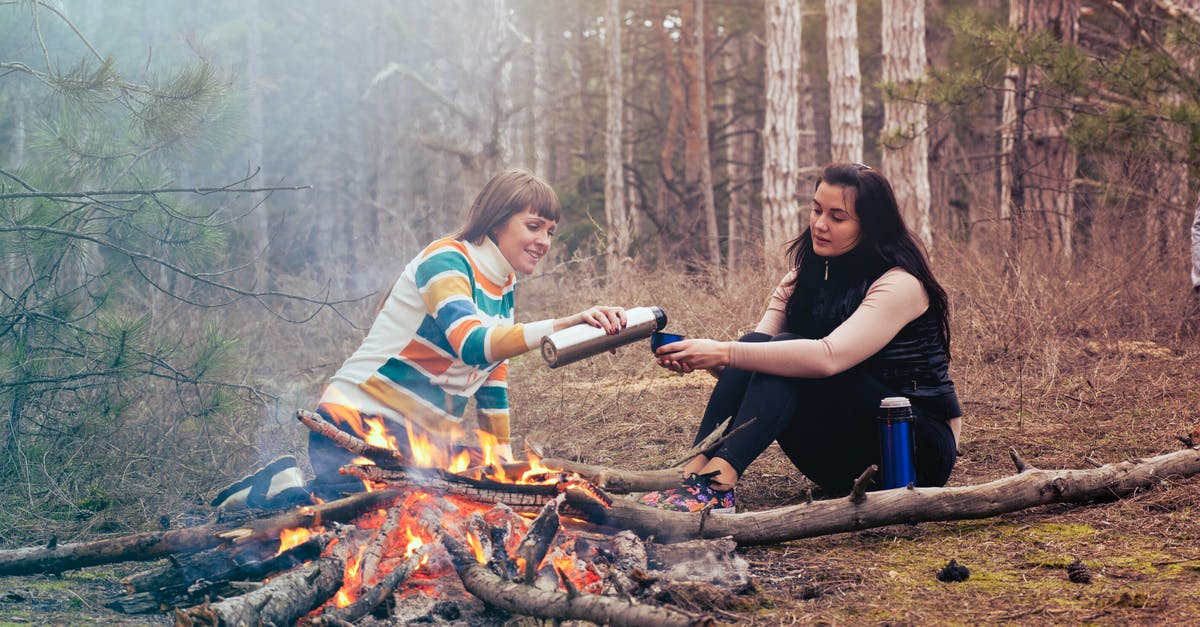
(1086,396)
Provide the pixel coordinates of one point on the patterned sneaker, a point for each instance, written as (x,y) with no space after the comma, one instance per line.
(277,485)
(695,494)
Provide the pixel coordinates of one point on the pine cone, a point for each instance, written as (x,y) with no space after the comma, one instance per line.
(953,572)
(1078,572)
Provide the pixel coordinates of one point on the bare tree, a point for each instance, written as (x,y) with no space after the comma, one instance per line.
(781,126)
(614,177)
(906,143)
(845,80)
(1038,161)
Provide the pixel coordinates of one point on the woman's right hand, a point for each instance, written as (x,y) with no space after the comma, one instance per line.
(611,319)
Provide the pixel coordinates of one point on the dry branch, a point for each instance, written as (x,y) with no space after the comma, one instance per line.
(350,442)
(530,601)
(151,546)
(282,601)
(1029,488)
(373,595)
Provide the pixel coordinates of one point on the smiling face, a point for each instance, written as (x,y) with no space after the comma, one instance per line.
(836,229)
(523,239)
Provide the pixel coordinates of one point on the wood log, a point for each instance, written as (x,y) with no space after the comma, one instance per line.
(190,581)
(350,442)
(537,540)
(373,595)
(521,599)
(144,547)
(618,481)
(282,601)
(1029,488)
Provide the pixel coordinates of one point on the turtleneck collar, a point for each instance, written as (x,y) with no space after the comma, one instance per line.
(491,261)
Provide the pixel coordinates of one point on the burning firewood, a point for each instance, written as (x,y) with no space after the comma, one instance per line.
(151,546)
(581,499)
(374,594)
(537,541)
(521,599)
(192,579)
(281,601)
(345,440)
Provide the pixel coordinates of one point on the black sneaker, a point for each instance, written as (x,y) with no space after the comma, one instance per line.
(277,485)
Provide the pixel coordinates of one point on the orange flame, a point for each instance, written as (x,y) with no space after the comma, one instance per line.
(290,538)
(476,548)
(491,458)
(351,581)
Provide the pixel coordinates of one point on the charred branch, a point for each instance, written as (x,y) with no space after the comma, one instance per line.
(144,547)
(537,541)
(282,601)
(373,595)
(521,599)
(345,440)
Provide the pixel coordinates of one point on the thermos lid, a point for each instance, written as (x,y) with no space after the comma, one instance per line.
(893,402)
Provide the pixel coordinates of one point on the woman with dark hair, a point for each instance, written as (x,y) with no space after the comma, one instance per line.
(441,338)
(859,318)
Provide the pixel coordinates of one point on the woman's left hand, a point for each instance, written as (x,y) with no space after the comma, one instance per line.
(695,354)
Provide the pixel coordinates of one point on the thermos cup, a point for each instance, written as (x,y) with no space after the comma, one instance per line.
(896,462)
(584,340)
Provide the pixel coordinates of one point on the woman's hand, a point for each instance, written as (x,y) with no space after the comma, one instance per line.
(611,319)
(697,354)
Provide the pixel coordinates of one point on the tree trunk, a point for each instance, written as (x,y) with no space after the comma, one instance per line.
(781,128)
(845,81)
(905,125)
(739,155)
(261,227)
(614,175)
(698,195)
(1040,163)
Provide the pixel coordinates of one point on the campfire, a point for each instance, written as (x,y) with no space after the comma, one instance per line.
(446,534)
(466,538)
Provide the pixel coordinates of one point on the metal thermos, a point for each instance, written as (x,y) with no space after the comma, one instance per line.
(584,340)
(896,462)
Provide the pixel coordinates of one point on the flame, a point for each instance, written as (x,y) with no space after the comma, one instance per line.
(289,538)
(351,581)
(414,542)
(461,462)
(377,434)
(491,458)
(476,548)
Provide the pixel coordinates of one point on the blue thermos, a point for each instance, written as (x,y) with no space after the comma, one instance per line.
(896,443)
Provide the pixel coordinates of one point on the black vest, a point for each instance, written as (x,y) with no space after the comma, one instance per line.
(915,363)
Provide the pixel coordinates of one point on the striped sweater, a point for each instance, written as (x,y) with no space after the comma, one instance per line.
(442,337)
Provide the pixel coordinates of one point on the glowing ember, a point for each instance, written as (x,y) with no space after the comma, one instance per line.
(289,538)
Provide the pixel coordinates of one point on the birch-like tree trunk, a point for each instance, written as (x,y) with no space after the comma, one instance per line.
(781,135)
(845,80)
(697,152)
(614,185)
(906,142)
(1039,162)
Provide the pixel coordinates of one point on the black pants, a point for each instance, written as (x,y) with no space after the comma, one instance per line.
(827,427)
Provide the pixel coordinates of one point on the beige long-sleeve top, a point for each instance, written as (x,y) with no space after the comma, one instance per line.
(891,302)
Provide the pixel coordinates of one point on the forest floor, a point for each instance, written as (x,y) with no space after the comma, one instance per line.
(1078,393)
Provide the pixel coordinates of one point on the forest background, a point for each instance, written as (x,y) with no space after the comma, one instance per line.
(200,203)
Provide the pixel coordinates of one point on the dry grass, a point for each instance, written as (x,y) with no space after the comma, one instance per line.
(1059,365)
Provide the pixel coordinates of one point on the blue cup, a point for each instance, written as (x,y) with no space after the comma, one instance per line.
(659,339)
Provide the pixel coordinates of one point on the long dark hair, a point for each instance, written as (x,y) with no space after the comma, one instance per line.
(883,233)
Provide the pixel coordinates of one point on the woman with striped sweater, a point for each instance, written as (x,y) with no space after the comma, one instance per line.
(441,338)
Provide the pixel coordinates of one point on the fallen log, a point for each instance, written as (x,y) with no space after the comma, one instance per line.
(282,601)
(193,579)
(1030,487)
(144,547)
(521,599)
